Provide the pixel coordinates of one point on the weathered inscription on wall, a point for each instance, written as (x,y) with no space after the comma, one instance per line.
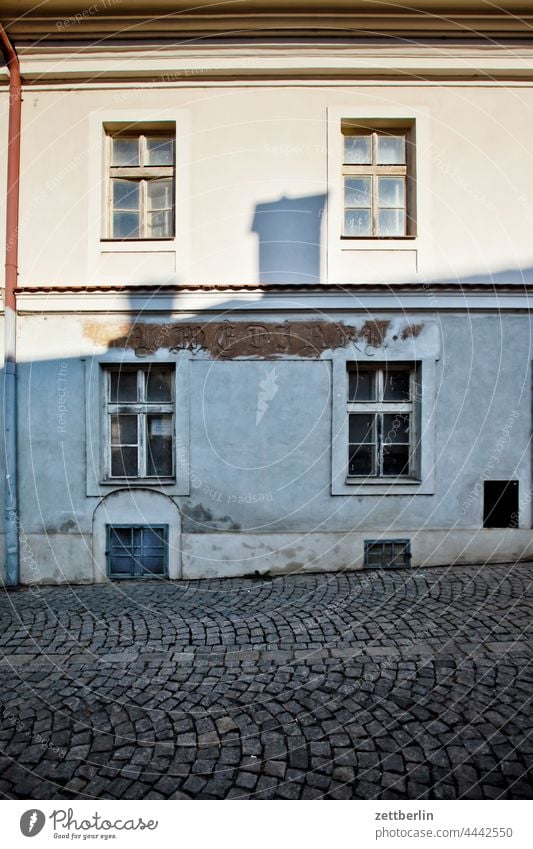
(228,339)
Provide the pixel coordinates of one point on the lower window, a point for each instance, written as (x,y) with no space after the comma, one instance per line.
(140,422)
(381,409)
(138,551)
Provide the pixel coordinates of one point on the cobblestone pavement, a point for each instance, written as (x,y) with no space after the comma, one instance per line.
(373,685)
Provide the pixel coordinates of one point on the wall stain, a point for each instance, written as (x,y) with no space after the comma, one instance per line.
(197,519)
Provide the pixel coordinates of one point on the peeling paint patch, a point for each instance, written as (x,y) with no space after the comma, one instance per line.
(103,333)
(412,331)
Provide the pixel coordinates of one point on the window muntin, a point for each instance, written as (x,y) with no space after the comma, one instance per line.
(140,422)
(375,173)
(141,185)
(381,421)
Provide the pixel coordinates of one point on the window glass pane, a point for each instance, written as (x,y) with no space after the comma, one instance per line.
(391,150)
(123,430)
(396,428)
(152,539)
(120,538)
(396,386)
(159,444)
(357,222)
(361,460)
(391,191)
(361,427)
(395,459)
(387,552)
(126,152)
(159,225)
(357,192)
(159,385)
(159,194)
(126,194)
(121,564)
(123,386)
(124,462)
(375,554)
(153,565)
(391,222)
(358,150)
(126,225)
(160,151)
(361,385)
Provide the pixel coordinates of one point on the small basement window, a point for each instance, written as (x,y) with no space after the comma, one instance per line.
(387,554)
(500,504)
(138,551)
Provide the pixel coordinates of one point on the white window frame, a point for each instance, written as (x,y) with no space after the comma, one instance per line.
(141,174)
(111,261)
(141,409)
(97,481)
(368,259)
(426,365)
(378,408)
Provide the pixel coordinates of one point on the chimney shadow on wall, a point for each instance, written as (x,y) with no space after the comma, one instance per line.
(289,231)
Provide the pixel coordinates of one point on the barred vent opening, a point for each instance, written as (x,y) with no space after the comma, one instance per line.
(387,554)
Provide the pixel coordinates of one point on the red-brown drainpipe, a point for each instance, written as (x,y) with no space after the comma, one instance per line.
(10,314)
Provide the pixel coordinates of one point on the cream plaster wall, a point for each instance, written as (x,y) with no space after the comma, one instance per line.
(252,144)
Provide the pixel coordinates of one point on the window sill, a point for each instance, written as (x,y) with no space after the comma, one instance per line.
(377,243)
(381,486)
(137,482)
(137,245)
(351,481)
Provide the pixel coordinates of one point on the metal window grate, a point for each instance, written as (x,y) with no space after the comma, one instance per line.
(138,551)
(387,554)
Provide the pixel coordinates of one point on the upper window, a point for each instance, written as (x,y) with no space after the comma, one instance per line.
(140,184)
(382,421)
(140,422)
(377,176)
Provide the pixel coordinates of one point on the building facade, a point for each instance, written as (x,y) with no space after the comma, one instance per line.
(273,300)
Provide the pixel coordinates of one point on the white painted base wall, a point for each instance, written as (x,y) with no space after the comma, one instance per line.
(233,554)
(68,558)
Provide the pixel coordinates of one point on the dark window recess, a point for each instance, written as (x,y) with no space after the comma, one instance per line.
(500,504)
(387,554)
(137,552)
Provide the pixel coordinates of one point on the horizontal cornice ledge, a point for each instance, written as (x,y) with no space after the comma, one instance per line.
(171,68)
(326,297)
